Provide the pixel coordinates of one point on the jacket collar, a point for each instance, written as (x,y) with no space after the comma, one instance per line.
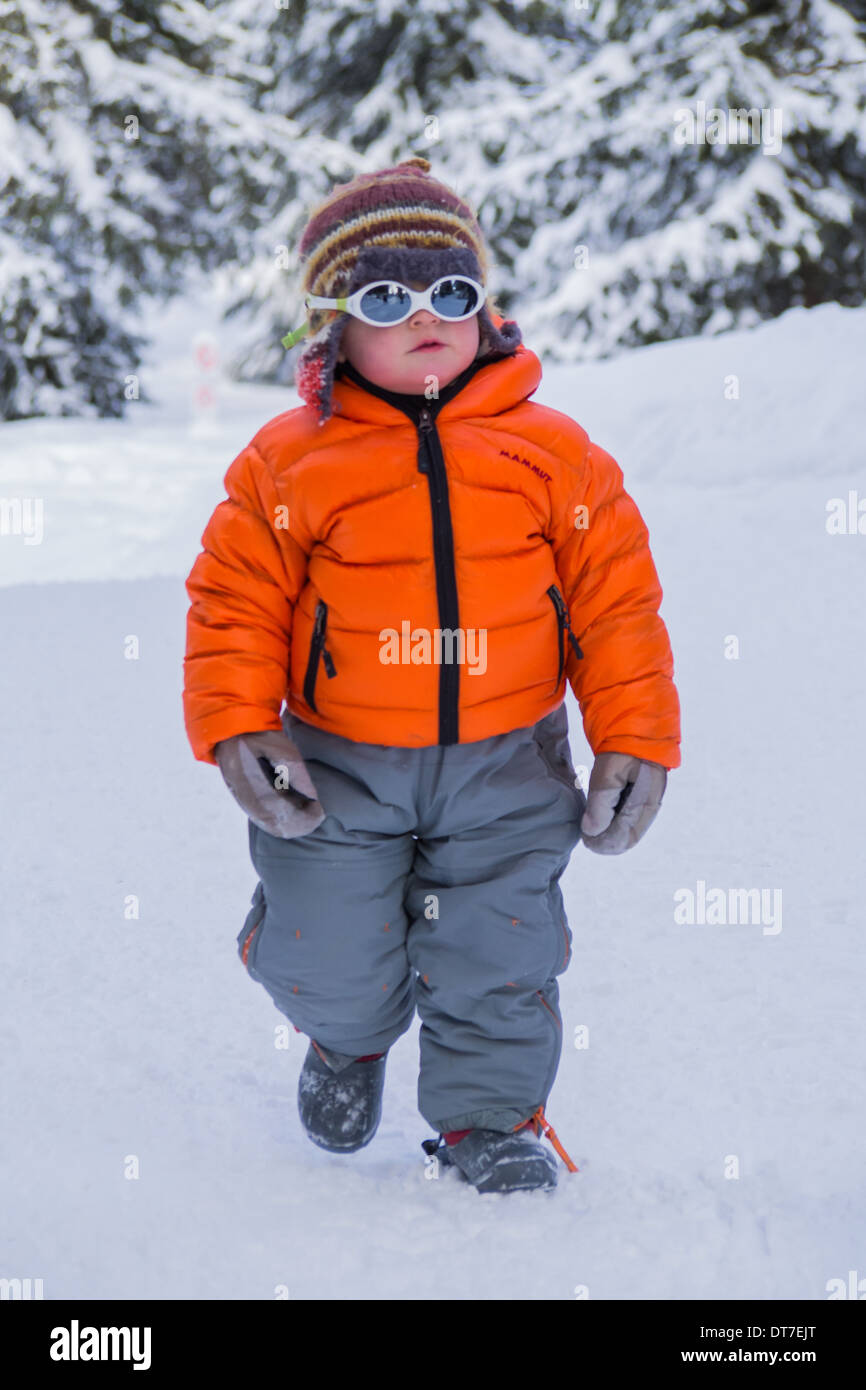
(486,387)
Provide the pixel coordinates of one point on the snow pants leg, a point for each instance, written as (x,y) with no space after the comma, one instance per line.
(432,883)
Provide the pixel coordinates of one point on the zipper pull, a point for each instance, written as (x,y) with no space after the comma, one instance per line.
(318,634)
(562,610)
(425,425)
(558,600)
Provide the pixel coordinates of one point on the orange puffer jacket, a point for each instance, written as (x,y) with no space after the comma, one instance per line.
(418,572)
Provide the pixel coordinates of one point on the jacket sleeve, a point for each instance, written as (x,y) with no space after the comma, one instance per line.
(243,587)
(624,682)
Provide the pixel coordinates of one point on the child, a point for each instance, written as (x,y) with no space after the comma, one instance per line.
(416,560)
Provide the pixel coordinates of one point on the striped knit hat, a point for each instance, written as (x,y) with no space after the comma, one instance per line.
(394,224)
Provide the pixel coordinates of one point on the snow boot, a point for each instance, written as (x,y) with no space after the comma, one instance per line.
(494,1161)
(340,1098)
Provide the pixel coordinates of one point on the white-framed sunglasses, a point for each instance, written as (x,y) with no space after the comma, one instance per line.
(386,302)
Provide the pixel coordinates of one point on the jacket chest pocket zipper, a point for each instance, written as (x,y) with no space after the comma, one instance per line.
(564,625)
(317,650)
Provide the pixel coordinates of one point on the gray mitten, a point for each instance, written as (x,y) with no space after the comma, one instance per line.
(622,801)
(267,776)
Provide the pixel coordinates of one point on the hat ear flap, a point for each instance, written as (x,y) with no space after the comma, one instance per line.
(505,339)
(314,370)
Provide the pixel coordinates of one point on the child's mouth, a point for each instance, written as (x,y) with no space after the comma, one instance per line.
(428,347)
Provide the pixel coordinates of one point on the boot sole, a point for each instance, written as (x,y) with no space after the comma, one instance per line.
(511,1177)
(516,1172)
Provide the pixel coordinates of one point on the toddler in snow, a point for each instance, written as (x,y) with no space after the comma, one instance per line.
(416,560)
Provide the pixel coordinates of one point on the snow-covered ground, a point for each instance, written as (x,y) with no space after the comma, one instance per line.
(140,1039)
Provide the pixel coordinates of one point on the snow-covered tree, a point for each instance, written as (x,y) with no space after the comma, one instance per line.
(642,171)
(713,174)
(130,150)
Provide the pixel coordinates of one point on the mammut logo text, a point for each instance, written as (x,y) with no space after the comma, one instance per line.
(527,463)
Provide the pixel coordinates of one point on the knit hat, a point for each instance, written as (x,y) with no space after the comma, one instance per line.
(394,224)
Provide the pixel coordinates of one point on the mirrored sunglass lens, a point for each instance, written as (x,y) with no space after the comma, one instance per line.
(453,298)
(385,303)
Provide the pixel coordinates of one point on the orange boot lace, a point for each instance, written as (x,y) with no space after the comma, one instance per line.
(542,1125)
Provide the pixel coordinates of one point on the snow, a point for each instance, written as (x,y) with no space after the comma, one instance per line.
(140,1036)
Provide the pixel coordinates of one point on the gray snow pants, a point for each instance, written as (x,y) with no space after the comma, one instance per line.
(433,882)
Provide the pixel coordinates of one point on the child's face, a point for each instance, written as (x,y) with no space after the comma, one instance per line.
(389,356)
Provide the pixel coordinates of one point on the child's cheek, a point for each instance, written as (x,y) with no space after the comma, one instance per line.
(367,348)
(383,347)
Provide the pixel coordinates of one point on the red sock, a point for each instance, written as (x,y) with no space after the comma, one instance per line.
(370,1057)
(455,1135)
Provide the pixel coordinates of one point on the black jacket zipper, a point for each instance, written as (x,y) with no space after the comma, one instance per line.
(318,649)
(564,624)
(431,462)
